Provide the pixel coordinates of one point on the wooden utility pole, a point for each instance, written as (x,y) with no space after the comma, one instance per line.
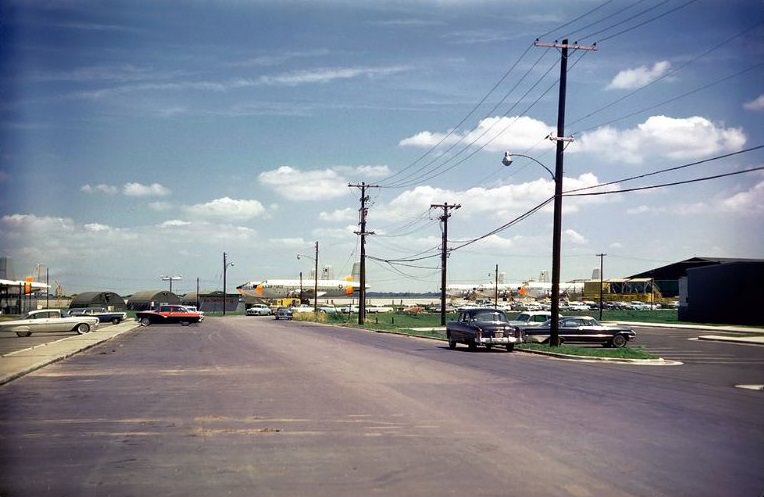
(554,332)
(444,255)
(602,257)
(362,212)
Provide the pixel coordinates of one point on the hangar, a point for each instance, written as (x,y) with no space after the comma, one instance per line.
(144,300)
(109,300)
(713,290)
(212,301)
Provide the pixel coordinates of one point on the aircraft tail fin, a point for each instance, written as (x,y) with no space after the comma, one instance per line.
(356,274)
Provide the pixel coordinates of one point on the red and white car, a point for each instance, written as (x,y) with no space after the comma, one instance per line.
(168,314)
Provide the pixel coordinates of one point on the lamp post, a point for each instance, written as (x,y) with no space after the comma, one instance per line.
(170,279)
(225,270)
(554,331)
(315,281)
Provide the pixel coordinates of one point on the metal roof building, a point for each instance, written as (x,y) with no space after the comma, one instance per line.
(144,300)
(109,300)
(713,289)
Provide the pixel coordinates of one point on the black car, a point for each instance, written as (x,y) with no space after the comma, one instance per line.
(484,326)
(582,329)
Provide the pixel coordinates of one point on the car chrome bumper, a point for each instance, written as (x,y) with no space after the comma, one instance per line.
(497,341)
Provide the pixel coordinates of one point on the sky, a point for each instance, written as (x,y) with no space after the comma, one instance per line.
(141,139)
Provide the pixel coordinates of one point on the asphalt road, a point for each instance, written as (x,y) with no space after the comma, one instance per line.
(251,406)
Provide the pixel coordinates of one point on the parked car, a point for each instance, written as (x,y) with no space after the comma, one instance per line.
(168,314)
(101,313)
(581,329)
(49,320)
(640,306)
(193,308)
(531,318)
(283,313)
(259,310)
(482,326)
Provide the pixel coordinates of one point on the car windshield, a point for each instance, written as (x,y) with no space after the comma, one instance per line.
(490,316)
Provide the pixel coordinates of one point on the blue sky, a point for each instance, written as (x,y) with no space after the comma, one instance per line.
(140,139)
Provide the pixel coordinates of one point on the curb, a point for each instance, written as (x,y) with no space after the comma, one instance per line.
(31,359)
(568,357)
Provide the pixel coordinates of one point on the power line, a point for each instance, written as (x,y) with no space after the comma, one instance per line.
(665,76)
(477,106)
(415,176)
(666,170)
(674,183)
(647,21)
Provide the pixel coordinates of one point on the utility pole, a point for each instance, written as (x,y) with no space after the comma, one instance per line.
(444,255)
(362,212)
(496,287)
(602,257)
(315,284)
(225,270)
(554,332)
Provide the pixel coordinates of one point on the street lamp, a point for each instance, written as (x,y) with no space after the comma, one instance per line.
(315,281)
(225,270)
(554,331)
(170,279)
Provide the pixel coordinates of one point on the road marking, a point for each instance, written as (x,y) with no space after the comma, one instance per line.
(751,387)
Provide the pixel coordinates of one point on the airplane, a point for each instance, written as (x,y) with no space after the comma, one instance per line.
(279,289)
(527,288)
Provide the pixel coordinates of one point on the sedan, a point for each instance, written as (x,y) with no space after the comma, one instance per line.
(168,314)
(49,320)
(582,329)
(259,310)
(283,313)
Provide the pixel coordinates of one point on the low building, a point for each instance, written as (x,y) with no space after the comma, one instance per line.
(727,293)
(212,301)
(108,300)
(147,299)
(713,290)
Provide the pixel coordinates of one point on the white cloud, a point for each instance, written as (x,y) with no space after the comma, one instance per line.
(747,202)
(326,75)
(575,237)
(227,209)
(173,223)
(298,185)
(492,133)
(100,188)
(96,227)
(755,104)
(630,79)
(502,202)
(347,214)
(160,206)
(140,190)
(373,171)
(674,138)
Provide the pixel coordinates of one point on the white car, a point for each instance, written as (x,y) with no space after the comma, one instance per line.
(259,310)
(49,320)
(531,318)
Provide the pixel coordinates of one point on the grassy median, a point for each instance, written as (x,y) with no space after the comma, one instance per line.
(428,325)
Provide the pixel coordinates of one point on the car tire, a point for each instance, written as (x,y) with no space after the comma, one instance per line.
(23,333)
(115,321)
(451,343)
(472,345)
(83,328)
(619,341)
(510,347)
(185,323)
(145,321)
